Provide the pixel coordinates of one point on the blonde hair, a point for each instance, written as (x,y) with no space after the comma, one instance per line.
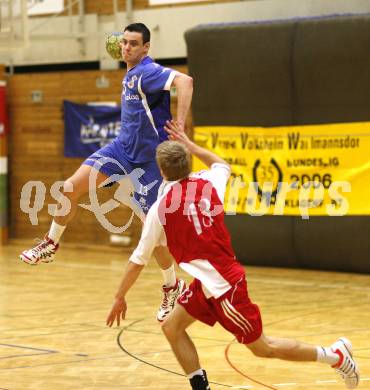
(173,160)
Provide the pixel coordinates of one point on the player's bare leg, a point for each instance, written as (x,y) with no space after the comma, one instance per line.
(74,187)
(174,328)
(281,348)
(338,355)
(172,287)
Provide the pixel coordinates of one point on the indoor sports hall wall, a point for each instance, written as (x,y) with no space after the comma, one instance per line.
(79,37)
(36,145)
(287,73)
(105,7)
(3,159)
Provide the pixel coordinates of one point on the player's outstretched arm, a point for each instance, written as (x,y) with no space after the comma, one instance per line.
(119,307)
(149,240)
(184,86)
(206,156)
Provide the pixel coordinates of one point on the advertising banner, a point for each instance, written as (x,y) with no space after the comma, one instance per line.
(88,127)
(302,170)
(4,128)
(4,124)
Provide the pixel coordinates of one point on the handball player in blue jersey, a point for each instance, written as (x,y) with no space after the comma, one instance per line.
(145,108)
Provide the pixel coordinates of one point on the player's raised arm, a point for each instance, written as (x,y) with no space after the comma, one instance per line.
(206,156)
(184,86)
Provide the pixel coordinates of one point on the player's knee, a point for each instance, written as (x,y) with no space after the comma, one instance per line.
(68,187)
(166,329)
(263,350)
(70,190)
(169,329)
(263,353)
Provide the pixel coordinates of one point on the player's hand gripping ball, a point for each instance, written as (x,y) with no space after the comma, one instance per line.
(112,45)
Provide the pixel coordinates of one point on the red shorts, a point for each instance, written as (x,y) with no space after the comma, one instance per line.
(233,310)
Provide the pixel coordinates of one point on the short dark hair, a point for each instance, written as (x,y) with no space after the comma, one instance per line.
(140,28)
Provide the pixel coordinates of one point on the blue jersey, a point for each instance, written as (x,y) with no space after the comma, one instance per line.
(145,108)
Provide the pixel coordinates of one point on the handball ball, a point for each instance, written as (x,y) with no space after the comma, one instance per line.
(112,45)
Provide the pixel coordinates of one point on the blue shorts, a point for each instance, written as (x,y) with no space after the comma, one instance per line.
(144,177)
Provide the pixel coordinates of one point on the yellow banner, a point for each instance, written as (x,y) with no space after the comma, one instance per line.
(300,170)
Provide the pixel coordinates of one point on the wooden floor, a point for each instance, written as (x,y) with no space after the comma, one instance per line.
(53,333)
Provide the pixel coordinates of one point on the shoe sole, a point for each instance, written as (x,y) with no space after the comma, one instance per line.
(348,346)
(26,260)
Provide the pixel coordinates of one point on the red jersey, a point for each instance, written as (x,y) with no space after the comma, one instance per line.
(189,219)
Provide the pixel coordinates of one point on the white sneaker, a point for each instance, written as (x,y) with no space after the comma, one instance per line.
(346,367)
(170,295)
(44,252)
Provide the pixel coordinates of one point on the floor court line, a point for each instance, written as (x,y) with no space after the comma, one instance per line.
(278,385)
(226,354)
(154,365)
(32,348)
(25,355)
(60,363)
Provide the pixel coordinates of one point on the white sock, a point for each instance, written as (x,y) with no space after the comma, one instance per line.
(197,372)
(326,355)
(169,276)
(56,232)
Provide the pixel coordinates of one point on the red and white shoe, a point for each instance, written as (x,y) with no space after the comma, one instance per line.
(346,367)
(170,295)
(43,252)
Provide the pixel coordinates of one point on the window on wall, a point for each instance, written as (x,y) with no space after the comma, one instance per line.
(39,7)
(34,7)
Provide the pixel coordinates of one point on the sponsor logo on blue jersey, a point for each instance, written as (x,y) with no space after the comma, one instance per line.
(131,83)
(132,97)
